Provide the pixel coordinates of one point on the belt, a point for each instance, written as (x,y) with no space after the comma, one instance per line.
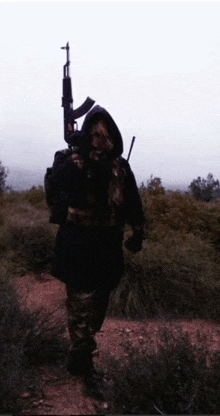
(79,215)
(86,217)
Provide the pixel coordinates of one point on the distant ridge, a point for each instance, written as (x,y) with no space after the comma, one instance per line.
(20,179)
(24,179)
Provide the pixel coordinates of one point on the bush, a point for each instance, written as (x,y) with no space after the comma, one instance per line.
(32,247)
(26,237)
(205,189)
(154,186)
(35,195)
(175,277)
(177,271)
(14,330)
(178,212)
(3,176)
(175,379)
(26,341)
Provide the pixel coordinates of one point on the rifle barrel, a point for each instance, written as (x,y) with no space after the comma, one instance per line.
(71,115)
(67,64)
(131,147)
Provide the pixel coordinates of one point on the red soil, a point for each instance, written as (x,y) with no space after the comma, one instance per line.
(61,392)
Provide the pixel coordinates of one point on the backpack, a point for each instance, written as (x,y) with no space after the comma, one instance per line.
(55,198)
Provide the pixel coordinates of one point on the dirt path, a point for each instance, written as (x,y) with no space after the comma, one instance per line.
(61,393)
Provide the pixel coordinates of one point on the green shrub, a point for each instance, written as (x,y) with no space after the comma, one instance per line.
(178,212)
(26,342)
(14,329)
(3,175)
(174,379)
(177,276)
(26,237)
(205,189)
(32,248)
(177,272)
(154,186)
(35,195)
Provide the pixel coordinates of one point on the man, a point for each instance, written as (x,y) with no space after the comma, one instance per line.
(97,194)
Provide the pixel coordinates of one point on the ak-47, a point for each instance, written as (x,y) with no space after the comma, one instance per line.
(70,115)
(131,147)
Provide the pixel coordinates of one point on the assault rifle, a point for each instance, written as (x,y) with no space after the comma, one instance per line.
(131,147)
(69,114)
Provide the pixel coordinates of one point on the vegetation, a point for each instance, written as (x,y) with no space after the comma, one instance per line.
(26,245)
(205,189)
(154,186)
(3,176)
(26,237)
(176,274)
(26,343)
(177,378)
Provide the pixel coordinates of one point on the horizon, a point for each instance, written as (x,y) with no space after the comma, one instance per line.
(155,66)
(19,179)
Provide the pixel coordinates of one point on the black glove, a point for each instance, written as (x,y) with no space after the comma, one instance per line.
(134,243)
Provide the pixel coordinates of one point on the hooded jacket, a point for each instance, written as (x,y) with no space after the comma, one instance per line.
(99,113)
(103,192)
(96,201)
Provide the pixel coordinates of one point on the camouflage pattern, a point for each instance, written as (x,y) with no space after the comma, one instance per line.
(86,312)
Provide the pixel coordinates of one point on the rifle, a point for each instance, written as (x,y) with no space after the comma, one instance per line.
(69,114)
(131,147)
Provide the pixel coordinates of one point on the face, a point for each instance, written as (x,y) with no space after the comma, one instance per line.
(100,140)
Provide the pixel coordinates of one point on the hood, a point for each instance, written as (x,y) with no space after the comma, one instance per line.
(99,113)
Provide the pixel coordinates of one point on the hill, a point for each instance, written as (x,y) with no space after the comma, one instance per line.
(23,179)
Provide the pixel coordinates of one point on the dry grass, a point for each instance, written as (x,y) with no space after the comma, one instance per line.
(178,270)
(179,378)
(26,237)
(27,342)
(176,273)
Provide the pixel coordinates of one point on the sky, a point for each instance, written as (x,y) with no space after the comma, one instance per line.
(154,65)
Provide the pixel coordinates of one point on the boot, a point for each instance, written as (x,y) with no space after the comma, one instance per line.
(79,362)
(94,384)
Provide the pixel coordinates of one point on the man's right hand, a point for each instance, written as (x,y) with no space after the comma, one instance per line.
(134,243)
(78,160)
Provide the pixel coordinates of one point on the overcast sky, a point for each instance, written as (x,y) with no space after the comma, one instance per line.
(155,66)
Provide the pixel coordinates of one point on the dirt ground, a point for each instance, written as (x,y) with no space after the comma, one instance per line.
(59,392)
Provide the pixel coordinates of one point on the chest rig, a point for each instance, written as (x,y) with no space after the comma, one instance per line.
(102,195)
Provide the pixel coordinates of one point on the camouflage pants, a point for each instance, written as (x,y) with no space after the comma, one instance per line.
(86,313)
